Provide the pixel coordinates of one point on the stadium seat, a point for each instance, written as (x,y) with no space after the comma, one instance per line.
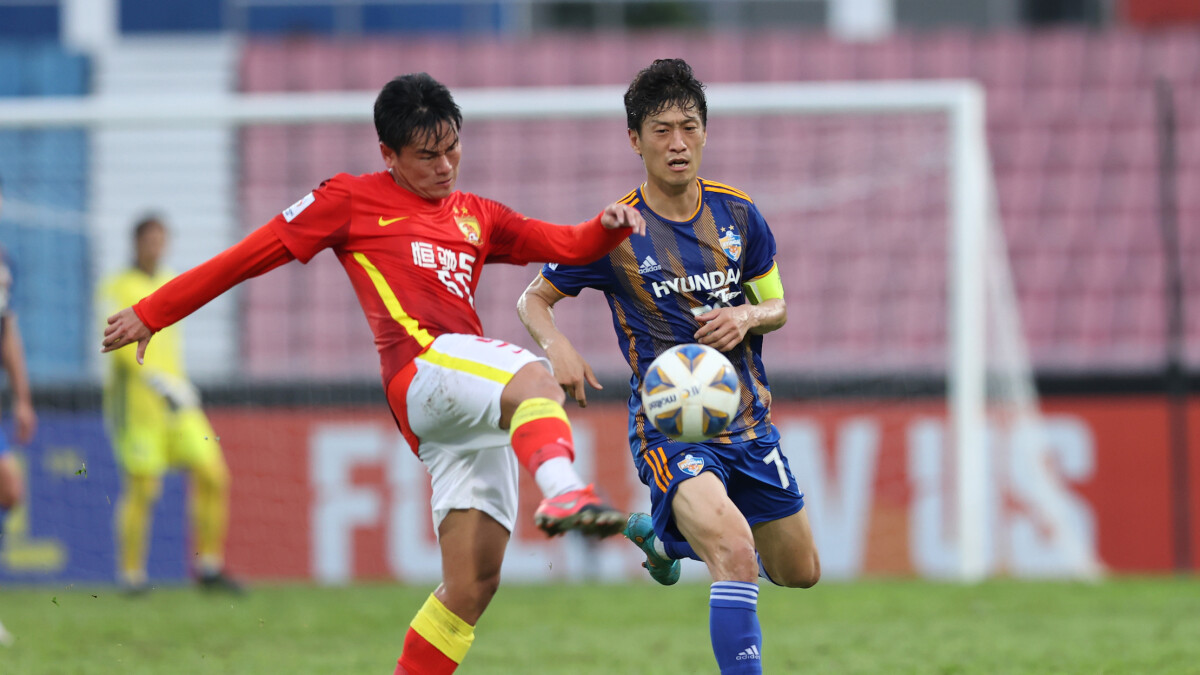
(1071,128)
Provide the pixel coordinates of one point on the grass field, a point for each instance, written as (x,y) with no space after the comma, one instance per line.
(1126,626)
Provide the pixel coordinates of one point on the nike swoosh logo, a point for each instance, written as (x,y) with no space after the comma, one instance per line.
(385,223)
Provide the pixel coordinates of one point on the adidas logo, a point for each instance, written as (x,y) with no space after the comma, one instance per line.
(747,654)
(649,265)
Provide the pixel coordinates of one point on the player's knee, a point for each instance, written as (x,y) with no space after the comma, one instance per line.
(145,489)
(733,559)
(805,572)
(533,380)
(213,475)
(543,385)
(12,491)
(11,494)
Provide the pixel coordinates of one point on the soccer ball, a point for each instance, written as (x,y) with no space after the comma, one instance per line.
(691,392)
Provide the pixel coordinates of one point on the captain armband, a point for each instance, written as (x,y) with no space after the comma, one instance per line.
(765,287)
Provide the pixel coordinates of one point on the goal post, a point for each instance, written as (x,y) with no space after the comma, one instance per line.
(973,285)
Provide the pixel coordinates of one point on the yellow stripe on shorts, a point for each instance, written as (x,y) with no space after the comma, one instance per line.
(464,365)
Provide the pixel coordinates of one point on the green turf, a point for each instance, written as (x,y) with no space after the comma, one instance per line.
(1127,626)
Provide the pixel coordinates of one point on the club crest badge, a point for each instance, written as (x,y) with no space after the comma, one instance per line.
(691,465)
(731,243)
(468,225)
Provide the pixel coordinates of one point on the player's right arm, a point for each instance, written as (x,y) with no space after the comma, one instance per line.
(535,307)
(317,221)
(12,354)
(260,252)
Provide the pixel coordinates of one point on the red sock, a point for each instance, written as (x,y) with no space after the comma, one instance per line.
(421,658)
(540,431)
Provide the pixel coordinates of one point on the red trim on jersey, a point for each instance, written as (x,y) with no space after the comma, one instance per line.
(397,398)
(260,252)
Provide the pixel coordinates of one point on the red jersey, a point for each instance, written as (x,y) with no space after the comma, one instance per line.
(414,263)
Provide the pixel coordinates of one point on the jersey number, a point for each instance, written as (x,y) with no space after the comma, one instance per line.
(774,456)
(456,274)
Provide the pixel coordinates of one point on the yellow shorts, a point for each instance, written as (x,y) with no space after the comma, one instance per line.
(184,441)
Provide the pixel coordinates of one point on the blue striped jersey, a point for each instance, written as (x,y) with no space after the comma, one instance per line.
(656,286)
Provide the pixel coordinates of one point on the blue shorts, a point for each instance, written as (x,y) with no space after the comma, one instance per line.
(4,448)
(755,473)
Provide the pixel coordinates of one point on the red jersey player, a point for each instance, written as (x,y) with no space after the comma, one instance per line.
(413,248)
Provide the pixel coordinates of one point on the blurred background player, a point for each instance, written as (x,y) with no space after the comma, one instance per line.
(24,419)
(722,500)
(470,407)
(154,419)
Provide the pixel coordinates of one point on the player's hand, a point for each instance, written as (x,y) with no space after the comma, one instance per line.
(26,420)
(623,215)
(125,328)
(724,327)
(572,371)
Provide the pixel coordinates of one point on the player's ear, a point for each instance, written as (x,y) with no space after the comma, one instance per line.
(634,137)
(389,155)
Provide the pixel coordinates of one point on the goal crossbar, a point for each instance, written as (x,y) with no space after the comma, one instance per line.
(969,190)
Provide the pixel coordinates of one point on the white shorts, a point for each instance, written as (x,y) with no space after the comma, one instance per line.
(453,406)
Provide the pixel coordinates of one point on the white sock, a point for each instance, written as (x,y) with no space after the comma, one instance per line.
(208,565)
(556,476)
(659,548)
(133,577)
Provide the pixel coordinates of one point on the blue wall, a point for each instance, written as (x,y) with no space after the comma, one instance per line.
(65,532)
(29,22)
(44,175)
(322,18)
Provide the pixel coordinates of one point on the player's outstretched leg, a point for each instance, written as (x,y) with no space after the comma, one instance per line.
(581,509)
(541,439)
(640,530)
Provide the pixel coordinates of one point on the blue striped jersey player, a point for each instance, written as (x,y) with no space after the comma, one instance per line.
(705,272)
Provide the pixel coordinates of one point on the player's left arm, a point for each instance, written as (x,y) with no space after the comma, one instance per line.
(518,239)
(724,328)
(12,355)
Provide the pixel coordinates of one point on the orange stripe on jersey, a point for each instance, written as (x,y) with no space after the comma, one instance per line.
(666,469)
(632,355)
(774,266)
(556,288)
(741,195)
(629,197)
(392,303)
(652,460)
(727,188)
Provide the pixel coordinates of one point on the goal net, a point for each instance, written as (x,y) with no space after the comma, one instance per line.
(901,385)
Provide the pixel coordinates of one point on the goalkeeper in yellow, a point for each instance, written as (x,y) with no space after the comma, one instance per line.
(153,416)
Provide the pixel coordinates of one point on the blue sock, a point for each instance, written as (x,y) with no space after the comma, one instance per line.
(733,627)
(679,550)
(3,519)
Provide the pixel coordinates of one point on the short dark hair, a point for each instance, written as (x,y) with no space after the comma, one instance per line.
(145,224)
(661,85)
(411,108)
